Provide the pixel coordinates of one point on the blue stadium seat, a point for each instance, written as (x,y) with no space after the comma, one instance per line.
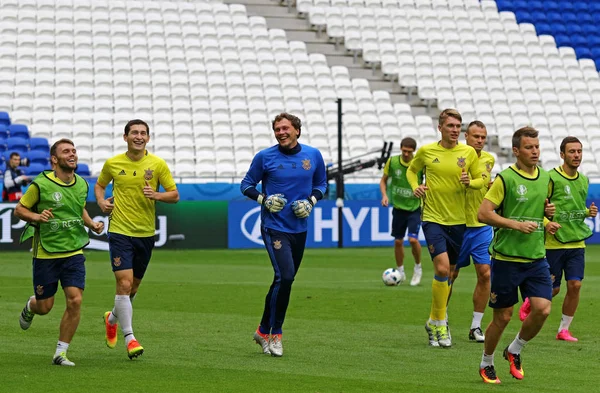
(562,40)
(17,144)
(573,29)
(551,6)
(536,5)
(570,18)
(39,144)
(594,7)
(521,5)
(558,29)
(39,157)
(18,131)
(566,6)
(4,118)
(83,169)
(554,17)
(2,168)
(543,28)
(583,52)
(523,16)
(578,41)
(3,131)
(34,169)
(538,17)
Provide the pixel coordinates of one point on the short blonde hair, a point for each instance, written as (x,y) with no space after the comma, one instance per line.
(446,113)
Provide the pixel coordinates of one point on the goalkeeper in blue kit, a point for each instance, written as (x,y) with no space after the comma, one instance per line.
(293,179)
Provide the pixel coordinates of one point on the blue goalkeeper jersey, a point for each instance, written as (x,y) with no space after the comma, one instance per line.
(296,174)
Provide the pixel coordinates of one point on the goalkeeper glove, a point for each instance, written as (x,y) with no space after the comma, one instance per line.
(273,203)
(303,207)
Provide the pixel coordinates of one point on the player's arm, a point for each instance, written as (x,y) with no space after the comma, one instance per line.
(476,181)
(383,183)
(105,204)
(95,226)
(416,165)
(274,203)
(487,211)
(24,208)
(171,194)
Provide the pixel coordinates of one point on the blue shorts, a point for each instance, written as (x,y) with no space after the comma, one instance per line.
(569,260)
(404,219)
(444,238)
(532,278)
(47,273)
(128,252)
(476,242)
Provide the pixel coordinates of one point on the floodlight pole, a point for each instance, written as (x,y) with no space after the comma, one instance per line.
(339,202)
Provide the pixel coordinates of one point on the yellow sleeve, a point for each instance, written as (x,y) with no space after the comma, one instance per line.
(105,177)
(475,171)
(417,163)
(496,192)
(166,179)
(31,196)
(386,168)
(546,222)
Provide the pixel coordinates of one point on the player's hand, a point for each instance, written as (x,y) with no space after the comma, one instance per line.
(97,227)
(45,216)
(464,178)
(549,209)
(385,201)
(527,226)
(552,227)
(593,210)
(419,192)
(107,205)
(149,192)
(303,207)
(273,203)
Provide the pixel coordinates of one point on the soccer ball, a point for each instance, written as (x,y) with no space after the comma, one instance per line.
(392,277)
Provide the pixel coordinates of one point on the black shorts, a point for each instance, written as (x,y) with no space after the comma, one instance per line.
(531,278)
(128,252)
(403,220)
(569,260)
(47,273)
(444,238)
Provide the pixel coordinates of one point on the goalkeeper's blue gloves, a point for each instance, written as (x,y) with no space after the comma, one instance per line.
(303,207)
(273,203)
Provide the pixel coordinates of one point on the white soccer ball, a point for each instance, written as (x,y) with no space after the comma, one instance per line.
(392,277)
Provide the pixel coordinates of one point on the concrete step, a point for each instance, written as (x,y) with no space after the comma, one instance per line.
(286,23)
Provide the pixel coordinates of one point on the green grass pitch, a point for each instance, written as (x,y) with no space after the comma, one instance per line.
(345,331)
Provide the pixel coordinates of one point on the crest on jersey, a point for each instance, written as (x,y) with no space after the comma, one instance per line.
(117,261)
(552,277)
(493,297)
(306,164)
(277,244)
(39,290)
(567,190)
(521,189)
(431,248)
(461,162)
(148,174)
(488,166)
(57,196)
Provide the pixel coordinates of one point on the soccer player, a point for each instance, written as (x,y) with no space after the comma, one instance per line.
(14,179)
(478,236)
(448,165)
(136,176)
(54,207)
(516,205)
(289,172)
(406,213)
(565,249)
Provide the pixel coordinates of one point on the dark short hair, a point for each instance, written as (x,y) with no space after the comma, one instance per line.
(135,122)
(528,132)
(446,113)
(14,154)
(569,139)
(295,120)
(58,142)
(408,142)
(476,123)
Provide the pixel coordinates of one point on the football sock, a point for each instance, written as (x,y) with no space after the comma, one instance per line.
(124,312)
(439,291)
(476,322)
(29,305)
(516,346)
(61,347)
(486,360)
(565,322)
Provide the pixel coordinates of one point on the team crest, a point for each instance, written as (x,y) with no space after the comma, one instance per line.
(521,189)
(148,174)
(488,167)
(567,190)
(117,261)
(431,248)
(552,277)
(493,297)
(461,162)
(277,244)
(57,196)
(306,164)
(39,290)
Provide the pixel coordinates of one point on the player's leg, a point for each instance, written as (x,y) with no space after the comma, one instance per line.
(481,294)
(500,319)
(454,240)
(436,244)
(414,225)
(463,260)
(537,286)
(399,225)
(574,269)
(46,273)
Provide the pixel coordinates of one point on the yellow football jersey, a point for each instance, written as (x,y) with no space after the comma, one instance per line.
(475,197)
(444,201)
(134,214)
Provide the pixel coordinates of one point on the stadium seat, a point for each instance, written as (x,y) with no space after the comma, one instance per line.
(82,169)
(17,144)
(34,169)
(18,131)
(40,157)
